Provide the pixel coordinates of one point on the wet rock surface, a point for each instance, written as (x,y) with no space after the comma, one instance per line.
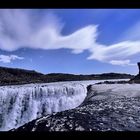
(99,112)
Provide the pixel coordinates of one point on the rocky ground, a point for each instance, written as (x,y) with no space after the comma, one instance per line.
(103,110)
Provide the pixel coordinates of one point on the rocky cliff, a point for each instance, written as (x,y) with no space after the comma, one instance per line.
(136,79)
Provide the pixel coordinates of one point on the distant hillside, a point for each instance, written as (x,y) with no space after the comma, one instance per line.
(18,76)
(9,76)
(72,77)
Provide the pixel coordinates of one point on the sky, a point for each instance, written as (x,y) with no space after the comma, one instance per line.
(78,41)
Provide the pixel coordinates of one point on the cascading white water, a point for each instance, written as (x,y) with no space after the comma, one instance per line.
(21,104)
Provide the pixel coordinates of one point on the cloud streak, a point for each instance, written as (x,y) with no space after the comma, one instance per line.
(22,28)
(117,53)
(9,58)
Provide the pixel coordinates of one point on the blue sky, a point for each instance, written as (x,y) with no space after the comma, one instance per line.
(79,41)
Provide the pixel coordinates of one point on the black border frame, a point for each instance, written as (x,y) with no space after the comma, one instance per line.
(69,4)
(64,4)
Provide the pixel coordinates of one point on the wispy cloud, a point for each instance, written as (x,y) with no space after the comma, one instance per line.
(121,62)
(9,58)
(19,28)
(117,53)
(22,28)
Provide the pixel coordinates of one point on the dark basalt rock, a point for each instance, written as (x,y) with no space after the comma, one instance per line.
(136,79)
(114,82)
(139,66)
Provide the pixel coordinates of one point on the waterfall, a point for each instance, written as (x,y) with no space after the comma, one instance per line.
(23,103)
